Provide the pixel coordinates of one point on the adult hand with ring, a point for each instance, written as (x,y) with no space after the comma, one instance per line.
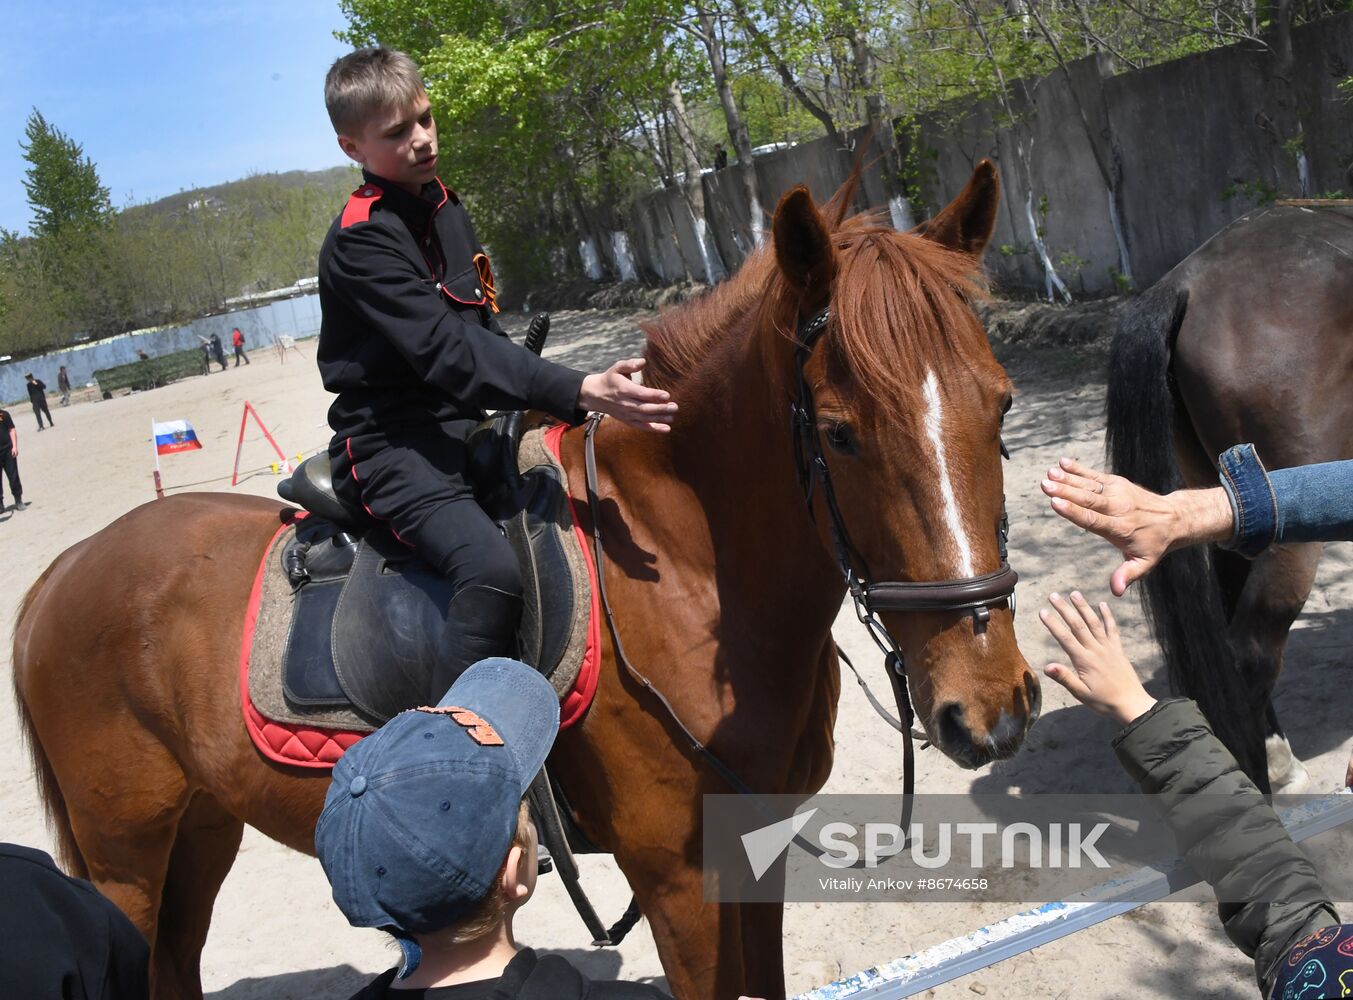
(1144,526)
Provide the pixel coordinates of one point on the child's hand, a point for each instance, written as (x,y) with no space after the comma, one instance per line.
(614,392)
(1100,675)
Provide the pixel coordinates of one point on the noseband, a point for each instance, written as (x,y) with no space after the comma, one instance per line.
(977,594)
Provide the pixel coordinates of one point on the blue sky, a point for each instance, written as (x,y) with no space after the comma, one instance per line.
(168,96)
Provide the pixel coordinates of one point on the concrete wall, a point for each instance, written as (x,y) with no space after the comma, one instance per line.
(1172,138)
(298,317)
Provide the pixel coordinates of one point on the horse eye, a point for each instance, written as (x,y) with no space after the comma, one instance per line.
(842,439)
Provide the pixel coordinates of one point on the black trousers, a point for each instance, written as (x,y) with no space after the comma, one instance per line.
(11,466)
(416,483)
(39,408)
(239,353)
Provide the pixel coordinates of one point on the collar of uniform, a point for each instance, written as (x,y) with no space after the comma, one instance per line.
(416,210)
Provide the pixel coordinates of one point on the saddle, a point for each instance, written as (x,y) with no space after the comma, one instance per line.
(367,614)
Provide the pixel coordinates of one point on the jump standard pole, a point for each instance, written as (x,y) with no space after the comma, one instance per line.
(155,448)
(239,447)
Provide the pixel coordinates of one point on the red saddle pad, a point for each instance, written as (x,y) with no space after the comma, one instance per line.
(315,746)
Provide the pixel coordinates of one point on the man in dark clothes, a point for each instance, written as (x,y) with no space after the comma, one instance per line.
(720,156)
(60,938)
(218,350)
(432,803)
(63,385)
(9,460)
(37,394)
(410,345)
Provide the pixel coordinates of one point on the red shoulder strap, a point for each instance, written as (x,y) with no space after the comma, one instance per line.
(360,203)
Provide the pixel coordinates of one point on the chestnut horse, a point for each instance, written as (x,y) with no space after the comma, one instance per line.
(723,581)
(1249,339)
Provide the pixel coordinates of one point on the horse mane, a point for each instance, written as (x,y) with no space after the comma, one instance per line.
(883,333)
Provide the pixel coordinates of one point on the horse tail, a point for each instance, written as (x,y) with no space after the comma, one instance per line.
(58,817)
(1182,596)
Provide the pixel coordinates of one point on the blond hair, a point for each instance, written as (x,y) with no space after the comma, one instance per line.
(489,913)
(364,83)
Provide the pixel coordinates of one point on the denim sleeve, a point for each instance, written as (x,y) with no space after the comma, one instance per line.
(1310,503)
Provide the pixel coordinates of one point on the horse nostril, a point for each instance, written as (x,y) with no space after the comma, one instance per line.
(1035,693)
(954,734)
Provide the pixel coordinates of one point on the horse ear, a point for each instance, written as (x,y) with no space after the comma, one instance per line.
(967,222)
(803,245)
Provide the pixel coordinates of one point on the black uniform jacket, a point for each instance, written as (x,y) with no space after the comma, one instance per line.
(408,339)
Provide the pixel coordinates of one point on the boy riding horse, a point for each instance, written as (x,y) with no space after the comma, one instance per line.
(410,345)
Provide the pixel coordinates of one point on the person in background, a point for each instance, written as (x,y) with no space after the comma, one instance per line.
(63,384)
(425,834)
(218,350)
(720,156)
(37,394)
(9,460)
(237,341)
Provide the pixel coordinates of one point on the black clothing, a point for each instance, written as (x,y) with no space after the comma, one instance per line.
(408,337)
(36,395)
(217,351)
(63,381)
(527,977)
(414,481)
(720,159)
(409,343)
(60,938)
(8,463)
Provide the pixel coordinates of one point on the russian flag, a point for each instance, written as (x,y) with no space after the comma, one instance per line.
(174,435)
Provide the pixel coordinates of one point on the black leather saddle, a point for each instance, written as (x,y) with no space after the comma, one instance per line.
(367,612)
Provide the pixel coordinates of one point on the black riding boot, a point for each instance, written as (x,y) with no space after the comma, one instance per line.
(481,622)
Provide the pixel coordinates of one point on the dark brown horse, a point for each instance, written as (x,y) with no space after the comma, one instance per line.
(1248,339)
(724,587)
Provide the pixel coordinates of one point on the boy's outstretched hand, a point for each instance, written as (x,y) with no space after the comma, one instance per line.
(1100,674)
(615,393)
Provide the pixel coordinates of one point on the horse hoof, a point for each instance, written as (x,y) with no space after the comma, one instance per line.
(1286,774)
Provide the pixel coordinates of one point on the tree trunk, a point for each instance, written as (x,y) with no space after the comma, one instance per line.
(737,128)
(880,122)
(691,185)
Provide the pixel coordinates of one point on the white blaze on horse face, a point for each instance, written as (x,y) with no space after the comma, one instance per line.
(934,426)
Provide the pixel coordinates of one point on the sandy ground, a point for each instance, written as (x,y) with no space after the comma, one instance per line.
(277,935)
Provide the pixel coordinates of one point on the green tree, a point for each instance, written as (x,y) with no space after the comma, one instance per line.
(62,183)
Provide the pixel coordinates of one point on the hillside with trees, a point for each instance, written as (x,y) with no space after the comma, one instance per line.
(88,270)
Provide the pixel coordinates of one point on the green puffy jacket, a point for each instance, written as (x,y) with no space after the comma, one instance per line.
(1227,832)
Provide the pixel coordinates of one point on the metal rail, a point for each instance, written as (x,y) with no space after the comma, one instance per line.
(1023,932)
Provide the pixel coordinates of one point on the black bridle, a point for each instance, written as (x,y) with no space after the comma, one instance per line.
(977,594)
